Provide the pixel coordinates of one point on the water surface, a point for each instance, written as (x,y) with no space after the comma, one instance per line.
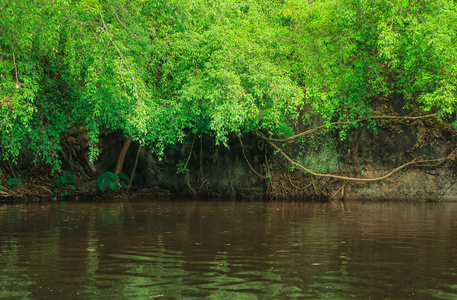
(228,250)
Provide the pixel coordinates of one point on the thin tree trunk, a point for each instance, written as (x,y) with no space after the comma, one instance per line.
(134,166)
(121,157)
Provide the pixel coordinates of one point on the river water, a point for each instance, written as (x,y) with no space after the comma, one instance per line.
(228,250)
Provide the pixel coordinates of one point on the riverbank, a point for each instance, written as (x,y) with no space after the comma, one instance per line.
(405,159)
(286,99)
(40,187)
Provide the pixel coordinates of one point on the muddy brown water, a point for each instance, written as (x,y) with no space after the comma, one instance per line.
(228,250)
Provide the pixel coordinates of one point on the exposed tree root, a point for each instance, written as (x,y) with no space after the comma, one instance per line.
(201,184)
(313,130)
(184,168)
(74,153)
(341,188)
(413,162)
(286,185)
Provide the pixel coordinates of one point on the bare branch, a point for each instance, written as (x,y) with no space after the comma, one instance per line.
(313,130)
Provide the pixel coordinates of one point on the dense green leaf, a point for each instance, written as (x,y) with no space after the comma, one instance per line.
(106,179)
(14,182)
(156,70)
(62,180)
(67,178)
(123,177)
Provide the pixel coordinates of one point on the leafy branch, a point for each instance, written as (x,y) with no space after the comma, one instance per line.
(127,64)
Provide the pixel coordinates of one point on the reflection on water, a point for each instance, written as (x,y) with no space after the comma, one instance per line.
(235,250)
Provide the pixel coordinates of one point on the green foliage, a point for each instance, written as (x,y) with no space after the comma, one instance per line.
(14,182)
(109,179)
(182,167)
(67,178)
(346,53)
(65,181)
(318,152)
(123,179)
(150,69)
(158,69)
(106,179)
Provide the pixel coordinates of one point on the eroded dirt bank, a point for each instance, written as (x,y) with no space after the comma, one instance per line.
(413,160)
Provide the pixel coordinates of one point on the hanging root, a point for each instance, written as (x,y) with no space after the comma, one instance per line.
(286,185)
(249,164)
(416,161)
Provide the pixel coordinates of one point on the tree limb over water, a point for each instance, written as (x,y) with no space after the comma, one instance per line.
(313,130)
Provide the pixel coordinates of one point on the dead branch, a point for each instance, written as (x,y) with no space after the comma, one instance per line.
(313,130)
(341,188)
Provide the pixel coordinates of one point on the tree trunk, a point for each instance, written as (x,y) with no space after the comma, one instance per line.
(121,157)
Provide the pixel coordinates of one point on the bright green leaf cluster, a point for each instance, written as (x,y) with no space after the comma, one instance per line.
(151,69)
(347,53)
(157,70)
